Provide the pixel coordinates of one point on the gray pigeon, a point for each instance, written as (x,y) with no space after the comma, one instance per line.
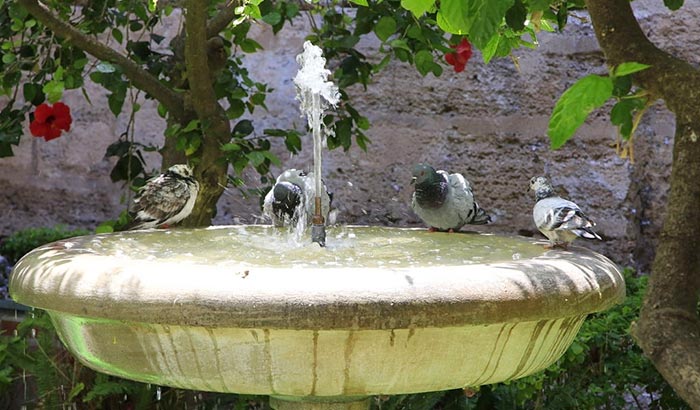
(165,200)
(292,199)
(445,202)
(560,220)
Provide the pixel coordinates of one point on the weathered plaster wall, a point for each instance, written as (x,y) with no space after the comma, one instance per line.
(488,122)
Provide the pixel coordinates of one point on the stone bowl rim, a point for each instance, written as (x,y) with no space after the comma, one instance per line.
(553,285)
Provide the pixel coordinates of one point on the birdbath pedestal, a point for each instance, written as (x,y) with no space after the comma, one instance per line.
(379,311)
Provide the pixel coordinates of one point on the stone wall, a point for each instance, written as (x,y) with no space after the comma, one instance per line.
(488,123)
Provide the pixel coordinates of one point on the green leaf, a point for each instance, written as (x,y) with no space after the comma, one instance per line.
(243,128)
(478,18)
(487,18)
(191,126)
(249,45)
(424,62)
(53,90)
(489,51)
(293,142)
(258,99)
(584,96)
(235,109)
(273,158)
(516,16)
(628,68)
(116,102)
(8,58)
(275,132)
(162,111)
(75,391)
(230,147)
(33,93)
(622,115)
(360,2)
(562,16)
(454,16)
(256,157)
(673,4)
(193,144)
(386,26)
(622,85)
(418,7)
(400,44)
(272,18)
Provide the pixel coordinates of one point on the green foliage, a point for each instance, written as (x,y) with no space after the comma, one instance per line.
(584,96)
(21,242)
(592,92)
(603,369)
(42,66)
(674,4)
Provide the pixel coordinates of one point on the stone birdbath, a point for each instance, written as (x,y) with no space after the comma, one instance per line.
(379,311)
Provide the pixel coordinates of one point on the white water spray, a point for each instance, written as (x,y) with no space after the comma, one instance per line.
(315,93)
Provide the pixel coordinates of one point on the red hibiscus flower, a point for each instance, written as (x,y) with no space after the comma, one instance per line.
(462,54)
(49,122)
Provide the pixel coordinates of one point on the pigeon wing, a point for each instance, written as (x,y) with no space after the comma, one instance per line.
(461,194)
(162,199)
(560,214)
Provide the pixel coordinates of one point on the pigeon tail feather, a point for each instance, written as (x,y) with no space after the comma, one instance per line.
(586,233)
(481,217)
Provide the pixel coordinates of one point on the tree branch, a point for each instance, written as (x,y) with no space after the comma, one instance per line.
(223,18)
(668,330)
(139,77)
(623,40)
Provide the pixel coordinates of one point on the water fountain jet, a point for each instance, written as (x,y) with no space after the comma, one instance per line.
(315,93)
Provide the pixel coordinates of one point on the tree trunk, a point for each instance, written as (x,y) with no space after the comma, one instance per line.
(211,171)
(668,329)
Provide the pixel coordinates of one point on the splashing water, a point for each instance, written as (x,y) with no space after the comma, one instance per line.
(315,93)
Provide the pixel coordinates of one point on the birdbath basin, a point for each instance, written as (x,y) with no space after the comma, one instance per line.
(378,311)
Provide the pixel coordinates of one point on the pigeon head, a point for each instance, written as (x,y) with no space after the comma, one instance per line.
(181,170)
(431,188)
(287,197)
(542,187)
(424,174)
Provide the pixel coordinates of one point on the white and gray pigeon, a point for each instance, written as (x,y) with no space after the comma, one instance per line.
(165,200)
(445,202)
(292,199)
(560,220)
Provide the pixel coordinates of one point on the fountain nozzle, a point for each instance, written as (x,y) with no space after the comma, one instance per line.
(318,226)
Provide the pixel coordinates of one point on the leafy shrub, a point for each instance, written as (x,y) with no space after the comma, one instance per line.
(21,242)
